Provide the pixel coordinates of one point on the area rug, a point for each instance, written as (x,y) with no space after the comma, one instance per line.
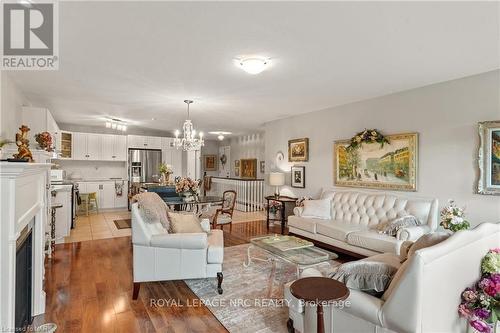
(253,296)
(123,224)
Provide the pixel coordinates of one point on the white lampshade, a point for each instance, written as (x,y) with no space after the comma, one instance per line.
(276,179)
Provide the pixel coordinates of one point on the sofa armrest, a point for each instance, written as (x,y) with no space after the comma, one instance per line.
(412,233)
(364,306)
(297,211)
(180,241)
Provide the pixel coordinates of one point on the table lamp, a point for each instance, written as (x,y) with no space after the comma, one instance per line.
(277,179)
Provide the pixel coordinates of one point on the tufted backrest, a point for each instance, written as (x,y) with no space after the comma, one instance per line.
(370,209)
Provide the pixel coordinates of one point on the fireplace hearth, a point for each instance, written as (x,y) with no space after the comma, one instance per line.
(24,279)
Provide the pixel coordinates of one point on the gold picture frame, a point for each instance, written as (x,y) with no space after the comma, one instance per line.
(298,150)
(392,166)
(248,168)
(210,162)
(489,158)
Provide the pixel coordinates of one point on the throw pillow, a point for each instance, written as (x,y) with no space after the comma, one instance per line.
(423,242)
(391,227)
(319,209)
(184,223)
(152,208)
(369,276)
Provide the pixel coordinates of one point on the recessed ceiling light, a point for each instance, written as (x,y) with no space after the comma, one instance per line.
(253,65)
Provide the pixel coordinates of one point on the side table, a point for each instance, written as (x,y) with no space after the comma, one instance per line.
(284,200)
(318,290)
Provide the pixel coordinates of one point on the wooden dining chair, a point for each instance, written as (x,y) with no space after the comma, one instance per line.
(224,215)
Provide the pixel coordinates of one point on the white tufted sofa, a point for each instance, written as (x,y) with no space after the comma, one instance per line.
(354,216)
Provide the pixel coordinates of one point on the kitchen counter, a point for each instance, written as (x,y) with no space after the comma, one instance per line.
(86,180)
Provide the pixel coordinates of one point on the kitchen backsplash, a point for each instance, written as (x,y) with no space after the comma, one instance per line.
(94,169)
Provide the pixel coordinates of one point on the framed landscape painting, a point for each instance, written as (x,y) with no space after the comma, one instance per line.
(391,166)
(210,162)
(298,150)
(489,158)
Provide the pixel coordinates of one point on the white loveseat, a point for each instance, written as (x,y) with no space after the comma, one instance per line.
(160,256)
(423,299)
(355,214)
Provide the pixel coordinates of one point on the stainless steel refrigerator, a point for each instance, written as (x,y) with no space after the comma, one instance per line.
(143,165)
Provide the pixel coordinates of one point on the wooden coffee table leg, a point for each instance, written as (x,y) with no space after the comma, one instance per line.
(319,317)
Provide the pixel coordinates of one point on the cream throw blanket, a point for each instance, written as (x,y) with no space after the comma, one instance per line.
(152,208)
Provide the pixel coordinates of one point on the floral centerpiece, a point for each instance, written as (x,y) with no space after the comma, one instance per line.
(480,304)
(452,217)
(367,136)
(188,187)
(44,140)
(165,170)
(274,208)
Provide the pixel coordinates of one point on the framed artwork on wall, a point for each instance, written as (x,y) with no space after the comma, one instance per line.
(489,158)
(298,150)
(248,168)
(210,162)
(262,166)
(391,166)
(298,175)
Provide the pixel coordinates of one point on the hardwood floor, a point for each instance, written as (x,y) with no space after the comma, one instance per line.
(89,289)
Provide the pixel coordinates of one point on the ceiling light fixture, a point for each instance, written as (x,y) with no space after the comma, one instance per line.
(220,134)
(188,140)
(116,124)
(253,65)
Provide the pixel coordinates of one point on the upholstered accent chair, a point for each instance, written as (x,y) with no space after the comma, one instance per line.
(224,215)
(161,256)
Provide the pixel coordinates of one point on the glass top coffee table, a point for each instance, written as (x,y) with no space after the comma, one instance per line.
(294,250)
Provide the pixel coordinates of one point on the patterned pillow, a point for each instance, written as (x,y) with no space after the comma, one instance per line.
(372,277)
(184,223)
(392,227)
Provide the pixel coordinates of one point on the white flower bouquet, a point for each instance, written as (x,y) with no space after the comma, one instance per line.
(453,217)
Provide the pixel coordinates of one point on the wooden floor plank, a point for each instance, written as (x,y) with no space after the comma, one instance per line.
(89,289)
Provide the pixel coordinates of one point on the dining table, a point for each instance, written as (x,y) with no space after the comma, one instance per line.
(196,204)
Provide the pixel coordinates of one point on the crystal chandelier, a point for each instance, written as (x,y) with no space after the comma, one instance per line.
(188,140)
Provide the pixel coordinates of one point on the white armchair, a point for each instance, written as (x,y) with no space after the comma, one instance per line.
(160,256)
(423,298)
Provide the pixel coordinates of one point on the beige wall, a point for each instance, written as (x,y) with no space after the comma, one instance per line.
(11,102)
(445,115)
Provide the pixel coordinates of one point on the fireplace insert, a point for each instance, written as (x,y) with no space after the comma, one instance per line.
(24,263)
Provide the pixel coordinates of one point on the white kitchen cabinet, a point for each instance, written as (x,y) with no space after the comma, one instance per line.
(113,147)
(144,142)
(106,193)
(61,194)
(86,146)
(173,156)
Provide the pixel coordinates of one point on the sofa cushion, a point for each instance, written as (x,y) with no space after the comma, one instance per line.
(319,209)
(392,227)
(215,251)
(337,230)
(374,241)
(304,223)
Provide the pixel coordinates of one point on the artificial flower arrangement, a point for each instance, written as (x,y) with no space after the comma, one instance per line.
(165,168)
(367,136)
(480,304)
(44,140)
(187,186)
(274,207)
(452,217)
(300,201)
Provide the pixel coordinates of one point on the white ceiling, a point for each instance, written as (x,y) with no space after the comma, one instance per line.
(137,60)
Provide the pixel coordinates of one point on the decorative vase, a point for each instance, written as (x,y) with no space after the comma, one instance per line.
(165,178)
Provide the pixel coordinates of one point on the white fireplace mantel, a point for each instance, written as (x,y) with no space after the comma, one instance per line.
(23,197)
